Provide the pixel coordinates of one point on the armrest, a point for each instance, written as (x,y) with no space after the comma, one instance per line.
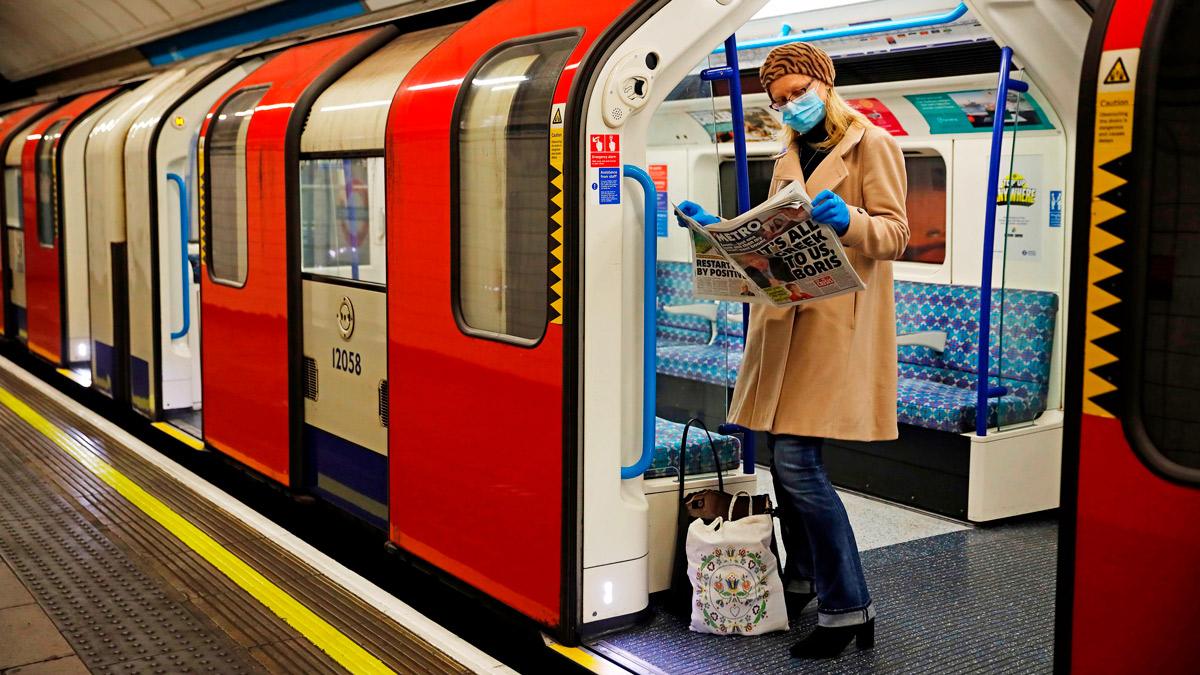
(934,339)
(704,310)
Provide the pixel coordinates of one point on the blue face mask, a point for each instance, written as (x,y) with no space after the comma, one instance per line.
(805,112)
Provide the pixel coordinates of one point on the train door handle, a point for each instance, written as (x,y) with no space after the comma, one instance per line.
(649,325)
(185,263)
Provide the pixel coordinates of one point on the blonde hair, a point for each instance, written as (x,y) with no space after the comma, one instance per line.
(839,117)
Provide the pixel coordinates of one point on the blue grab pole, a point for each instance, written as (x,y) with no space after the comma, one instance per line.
(851,31)
(185,265)
(649,323)
(731,72)
(983,389)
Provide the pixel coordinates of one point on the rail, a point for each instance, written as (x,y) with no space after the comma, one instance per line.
(185,266)
(649,323)
(881,26)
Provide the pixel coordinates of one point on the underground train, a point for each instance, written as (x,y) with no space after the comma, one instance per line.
(407,266)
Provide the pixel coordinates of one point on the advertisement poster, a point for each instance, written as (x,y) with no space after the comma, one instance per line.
(974,110)
(880,114)
(1021,202)
(761,124)
(658,173)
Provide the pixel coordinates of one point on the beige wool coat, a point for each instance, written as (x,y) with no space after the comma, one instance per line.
(828,368)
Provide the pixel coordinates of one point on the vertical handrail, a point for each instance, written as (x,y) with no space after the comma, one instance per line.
(731,72)
(983,390)
(649,320)
(185,265)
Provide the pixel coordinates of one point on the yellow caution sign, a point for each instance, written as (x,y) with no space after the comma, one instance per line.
(1117,74)
(556,214)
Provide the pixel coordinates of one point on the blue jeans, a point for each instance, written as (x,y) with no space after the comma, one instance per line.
(821,551)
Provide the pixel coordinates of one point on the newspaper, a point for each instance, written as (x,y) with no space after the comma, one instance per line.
(773,254)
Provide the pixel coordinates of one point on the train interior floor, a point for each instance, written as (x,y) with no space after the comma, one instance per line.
(951,598)
(115,558)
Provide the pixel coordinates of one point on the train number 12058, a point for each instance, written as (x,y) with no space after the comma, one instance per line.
(350,362)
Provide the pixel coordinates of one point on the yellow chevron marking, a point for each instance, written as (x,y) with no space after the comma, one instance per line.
(1100,270)
(1102,241)
(557,181)
(1103,211)
(1104,181)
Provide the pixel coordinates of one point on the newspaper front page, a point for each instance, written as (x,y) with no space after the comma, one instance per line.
(773,254)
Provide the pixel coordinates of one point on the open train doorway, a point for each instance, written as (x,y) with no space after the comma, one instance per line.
(964,501)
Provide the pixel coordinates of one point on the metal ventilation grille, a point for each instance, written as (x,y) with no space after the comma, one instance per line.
(311,386)
(383,403)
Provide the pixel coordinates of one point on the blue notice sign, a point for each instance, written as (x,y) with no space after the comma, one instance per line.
(610,186)
(1056,208)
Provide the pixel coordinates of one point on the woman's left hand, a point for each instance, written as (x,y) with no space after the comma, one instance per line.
(830,209)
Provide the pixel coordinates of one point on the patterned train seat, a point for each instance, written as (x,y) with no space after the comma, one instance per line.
(667,437)
(937,390)
(690,346)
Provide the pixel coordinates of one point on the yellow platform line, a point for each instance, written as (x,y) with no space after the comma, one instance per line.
(325,637)
(179,435)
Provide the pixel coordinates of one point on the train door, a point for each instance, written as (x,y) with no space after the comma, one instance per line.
(14,233)
(343,270)
(160,192)
(46,243)
(1133,469)
(11,128)
(108,257)
(249,285)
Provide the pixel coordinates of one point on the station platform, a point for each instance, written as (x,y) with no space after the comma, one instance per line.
(113,558)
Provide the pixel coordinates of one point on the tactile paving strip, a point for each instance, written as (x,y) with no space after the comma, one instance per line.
(182,574)
(974,601)
(116,617)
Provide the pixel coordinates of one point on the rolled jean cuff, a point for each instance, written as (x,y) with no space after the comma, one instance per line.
(799,586)
(845,617)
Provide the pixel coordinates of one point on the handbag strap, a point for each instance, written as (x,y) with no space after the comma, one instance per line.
(733,503)
(683,455)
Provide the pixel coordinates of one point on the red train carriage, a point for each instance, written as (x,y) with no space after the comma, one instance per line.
(12,124)
(45,196)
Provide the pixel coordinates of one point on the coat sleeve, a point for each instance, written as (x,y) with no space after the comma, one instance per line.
(879,227)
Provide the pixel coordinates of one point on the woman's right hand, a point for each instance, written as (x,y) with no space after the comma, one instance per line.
(697,213)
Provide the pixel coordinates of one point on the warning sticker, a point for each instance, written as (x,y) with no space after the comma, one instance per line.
(658,173)
(1114,104)
(610,186)
(556,137)
(604,150)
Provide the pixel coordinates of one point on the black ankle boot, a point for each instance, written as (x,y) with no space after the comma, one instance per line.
(796,602)
(825,642)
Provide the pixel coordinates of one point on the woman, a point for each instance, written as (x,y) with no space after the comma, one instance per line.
(826,369)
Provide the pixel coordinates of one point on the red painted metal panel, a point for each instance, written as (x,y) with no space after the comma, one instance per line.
(10,123)
(1127,24)
(245,336)
(43,273)
(476,435)
(1136,557)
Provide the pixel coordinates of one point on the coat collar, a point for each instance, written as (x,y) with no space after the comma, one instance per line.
(830,173)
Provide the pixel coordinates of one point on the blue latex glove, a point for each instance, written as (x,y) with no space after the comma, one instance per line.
(696,213)
(828,208)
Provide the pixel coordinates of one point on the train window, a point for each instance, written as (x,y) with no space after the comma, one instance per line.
(47,184)
(342,228)
(12,198)
(926,207)
(502,182)
(1169,258)
(926,203)
(226,187)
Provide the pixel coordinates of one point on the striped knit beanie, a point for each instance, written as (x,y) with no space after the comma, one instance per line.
(796,58)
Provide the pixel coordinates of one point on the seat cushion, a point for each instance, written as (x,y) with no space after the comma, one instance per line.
(950,406)
(667,437)
(713,364)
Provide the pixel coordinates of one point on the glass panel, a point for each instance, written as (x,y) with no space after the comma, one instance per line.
(1170,373)
(226,153)
(342,223)
(47,185)
(503,139)
(12,198)
(926,206)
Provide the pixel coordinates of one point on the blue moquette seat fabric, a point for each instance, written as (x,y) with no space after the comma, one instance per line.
(937,390)
(684,348)
(667,437)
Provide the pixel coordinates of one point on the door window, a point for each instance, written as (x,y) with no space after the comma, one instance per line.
(502,233)
(226,187)
(47,185)
(342,220)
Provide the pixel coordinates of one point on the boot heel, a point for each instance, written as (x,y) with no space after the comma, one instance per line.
(864,638)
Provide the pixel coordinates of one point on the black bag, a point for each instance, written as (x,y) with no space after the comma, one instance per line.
(704,504)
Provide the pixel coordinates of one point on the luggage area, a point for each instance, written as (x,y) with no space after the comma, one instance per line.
(950,598)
